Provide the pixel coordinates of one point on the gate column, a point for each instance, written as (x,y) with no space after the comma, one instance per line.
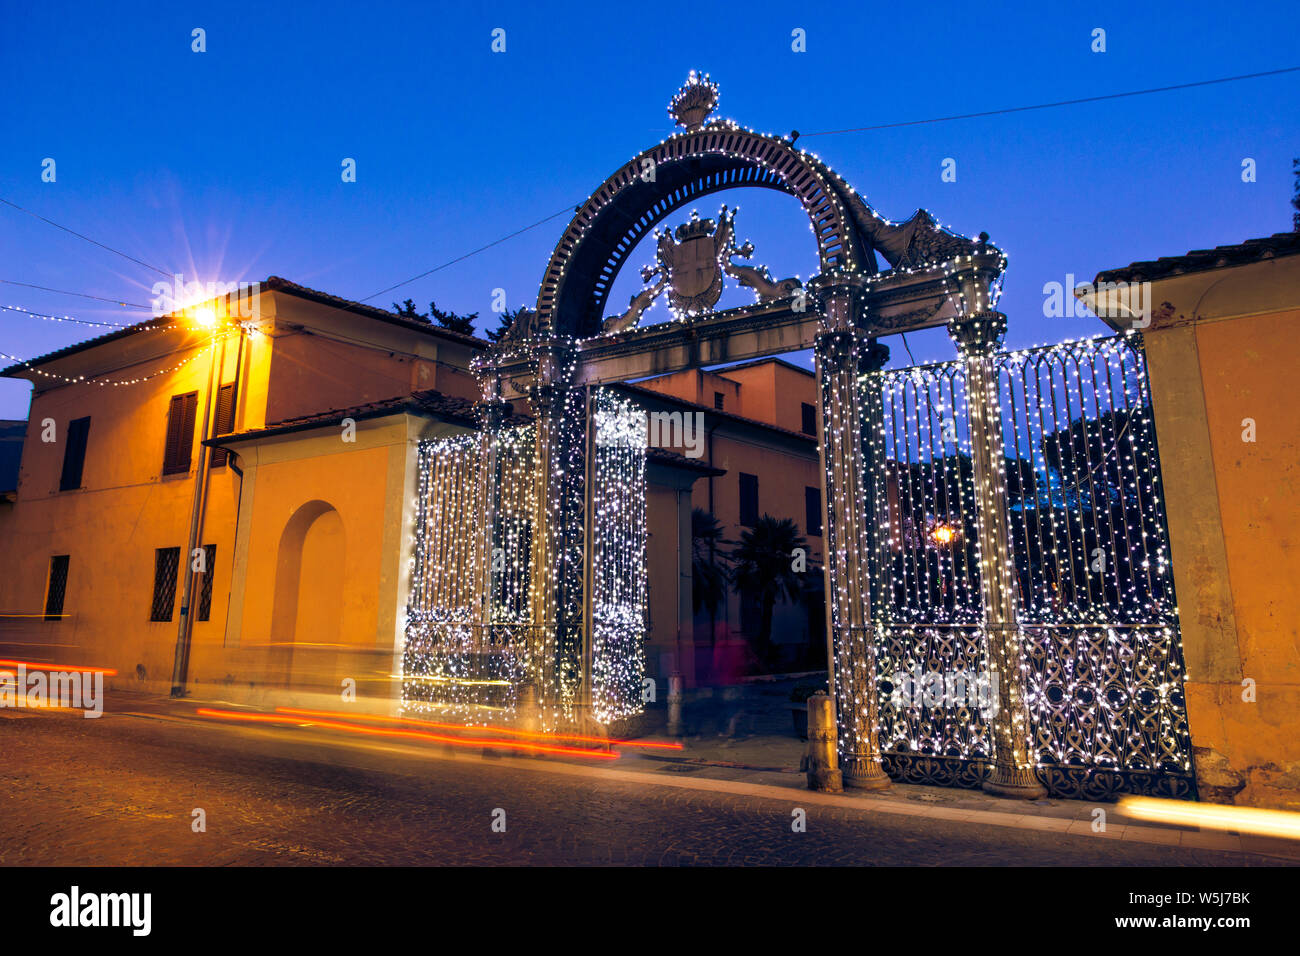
(978,336)
(550,571)
(839,348)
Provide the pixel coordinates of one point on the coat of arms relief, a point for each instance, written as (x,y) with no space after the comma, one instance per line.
(690,264)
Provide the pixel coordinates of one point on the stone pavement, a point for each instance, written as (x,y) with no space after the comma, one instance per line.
(122,790)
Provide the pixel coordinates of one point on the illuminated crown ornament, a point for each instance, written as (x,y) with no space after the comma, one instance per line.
(696,227)
(694,101)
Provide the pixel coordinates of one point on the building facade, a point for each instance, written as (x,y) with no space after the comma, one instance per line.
(299,501)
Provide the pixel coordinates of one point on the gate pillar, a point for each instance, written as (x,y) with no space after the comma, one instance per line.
(554,563)
(840,346)
(978,336)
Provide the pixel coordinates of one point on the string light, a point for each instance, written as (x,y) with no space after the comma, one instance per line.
(618,557)
(76,379)
(1102,661)
(64,318)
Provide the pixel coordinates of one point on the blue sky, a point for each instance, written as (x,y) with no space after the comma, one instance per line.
(226,164)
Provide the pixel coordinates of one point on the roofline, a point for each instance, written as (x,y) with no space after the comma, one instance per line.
(771,359)
(279,284)
(274,284)
(641,389)
(1278,246)
(408,404)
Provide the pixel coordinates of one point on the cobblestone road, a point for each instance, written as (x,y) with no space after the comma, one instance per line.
(121,790)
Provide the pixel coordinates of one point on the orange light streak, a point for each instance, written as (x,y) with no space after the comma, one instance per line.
(533,735)
(407,734)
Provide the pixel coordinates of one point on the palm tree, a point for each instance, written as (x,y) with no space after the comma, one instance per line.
(708,577)
(763,566)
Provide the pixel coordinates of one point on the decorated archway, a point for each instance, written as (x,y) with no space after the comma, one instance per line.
(554,357)
(941,571)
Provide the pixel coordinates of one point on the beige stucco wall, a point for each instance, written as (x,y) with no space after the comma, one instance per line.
(1225,357)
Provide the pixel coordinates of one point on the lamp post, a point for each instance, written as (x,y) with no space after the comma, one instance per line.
(205,317)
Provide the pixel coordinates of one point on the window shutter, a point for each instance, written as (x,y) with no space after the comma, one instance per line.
(812,498)
(180,433)
(173,434)
(74,454)
(225,423)
(187,431)
(748,499)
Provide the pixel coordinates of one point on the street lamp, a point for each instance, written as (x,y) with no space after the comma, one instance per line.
(205,317)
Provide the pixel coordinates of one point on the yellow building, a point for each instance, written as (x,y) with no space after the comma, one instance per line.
(302,507)
(1222,352)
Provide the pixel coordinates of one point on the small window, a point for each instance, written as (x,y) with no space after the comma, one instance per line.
(180,434)
(812,503)
(748,499)
(74,454)
(809,419)
(718,400)
(165,566)
(205,590)
(57,587)
(225,423)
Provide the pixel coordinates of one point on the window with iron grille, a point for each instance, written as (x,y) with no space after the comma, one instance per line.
(718,400)
(812,503)
(225,423)
(180,434)
(205,590)
(57,587)
(74,454)
(809,418)
(166,564)
(748,499)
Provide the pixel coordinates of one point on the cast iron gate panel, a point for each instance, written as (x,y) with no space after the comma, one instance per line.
(1102,654)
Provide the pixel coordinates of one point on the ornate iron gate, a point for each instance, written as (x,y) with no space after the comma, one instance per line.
(1102,659)
(470,643)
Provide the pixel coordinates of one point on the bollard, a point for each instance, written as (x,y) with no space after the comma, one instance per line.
(674,704)
(822,760)
(530,715)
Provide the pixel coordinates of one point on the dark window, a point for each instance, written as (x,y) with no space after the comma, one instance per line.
(748,499)
(205,591)
(718,400)
(812,504)
(74,454)
(225,423)
(180,435)
(58,587)
(166,564)
(809,419)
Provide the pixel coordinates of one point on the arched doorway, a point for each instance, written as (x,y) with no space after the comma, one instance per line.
(306,618)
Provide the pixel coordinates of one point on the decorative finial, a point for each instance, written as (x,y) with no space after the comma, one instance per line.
(694,101)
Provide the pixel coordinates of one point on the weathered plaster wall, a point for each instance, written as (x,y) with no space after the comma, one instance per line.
(1224,359)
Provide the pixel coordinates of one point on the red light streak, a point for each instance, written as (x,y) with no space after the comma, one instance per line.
(406,734)
(533,735)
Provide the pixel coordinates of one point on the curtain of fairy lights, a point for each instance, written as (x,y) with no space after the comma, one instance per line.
(926,603)
(466,647)
(618,574)
(1092,555)
(1090,545)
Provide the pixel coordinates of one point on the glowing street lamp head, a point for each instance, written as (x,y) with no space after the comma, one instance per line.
(943,534)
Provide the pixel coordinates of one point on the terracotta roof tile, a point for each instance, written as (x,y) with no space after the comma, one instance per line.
(1201,260)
